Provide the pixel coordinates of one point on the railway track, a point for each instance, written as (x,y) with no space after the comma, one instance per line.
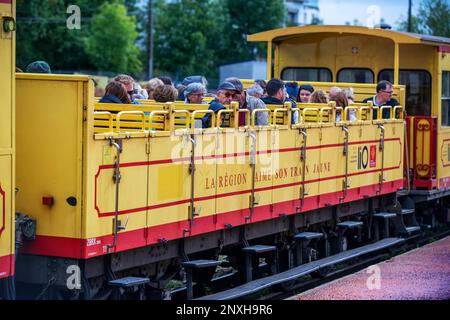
(308,276)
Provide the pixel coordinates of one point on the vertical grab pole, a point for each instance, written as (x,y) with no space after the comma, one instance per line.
(381,179)
(252,135)
(345,182)
(192,169)
(116,177)
(303,159)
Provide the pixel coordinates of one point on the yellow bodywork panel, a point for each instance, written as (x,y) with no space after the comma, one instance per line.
(7,143)
(443,137)
(50,111)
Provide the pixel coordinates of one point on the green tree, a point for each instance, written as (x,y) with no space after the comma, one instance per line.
(110,45)
(189,37)
(42,32)
(248,17)
(433,18)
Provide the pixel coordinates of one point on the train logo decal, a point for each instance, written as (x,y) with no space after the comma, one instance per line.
(367,158)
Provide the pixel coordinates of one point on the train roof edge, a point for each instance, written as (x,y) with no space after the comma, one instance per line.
(396,36)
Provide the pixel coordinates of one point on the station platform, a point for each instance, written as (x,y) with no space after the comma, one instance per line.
(421,274)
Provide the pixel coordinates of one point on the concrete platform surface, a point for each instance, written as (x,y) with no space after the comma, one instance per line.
(421,274)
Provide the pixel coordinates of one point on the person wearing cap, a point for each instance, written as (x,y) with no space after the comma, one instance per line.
(38,67)
(192,79)
(225,93)
(246,101)
(276,94)
(194,93)
(304,93)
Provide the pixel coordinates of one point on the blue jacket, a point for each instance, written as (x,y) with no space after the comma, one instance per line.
(272,100)
(215,106)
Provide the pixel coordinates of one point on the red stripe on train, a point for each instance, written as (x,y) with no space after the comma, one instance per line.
(88,248)
(6,266)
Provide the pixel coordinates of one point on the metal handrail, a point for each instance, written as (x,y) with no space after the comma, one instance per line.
(153,114)
(139,113)
(110,118)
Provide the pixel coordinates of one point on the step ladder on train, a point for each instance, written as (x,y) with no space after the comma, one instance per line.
(405,222)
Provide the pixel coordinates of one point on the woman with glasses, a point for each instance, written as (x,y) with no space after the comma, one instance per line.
(194,93)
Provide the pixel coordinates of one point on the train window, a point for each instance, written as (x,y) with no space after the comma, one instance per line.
(355,75)
(418,89)
(445,98)
(307,74)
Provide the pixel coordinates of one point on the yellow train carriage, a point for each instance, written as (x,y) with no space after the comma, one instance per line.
(356,56)
(111,178)
(7,132)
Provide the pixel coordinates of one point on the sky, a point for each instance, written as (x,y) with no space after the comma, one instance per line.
(366,11)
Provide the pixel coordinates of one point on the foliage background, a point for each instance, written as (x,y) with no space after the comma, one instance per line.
(190,36)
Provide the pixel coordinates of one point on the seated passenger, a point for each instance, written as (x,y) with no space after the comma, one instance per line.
(276,94)
(383,98)
(246,101)
(292,89)
(304,93)
(255,91)
(38,67)
(225,93)
(151,85)
(192,79)
(263,85)
(128,82)
(166,80)
(333,92)
(350,95)
(318,96)
(139,93)
(165,93)
(115,92)
(341,101)
(194,93)
(180,89)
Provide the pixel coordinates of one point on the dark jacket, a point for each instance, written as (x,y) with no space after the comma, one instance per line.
(109,98)
(385,114)
(215,106)
(272,100)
